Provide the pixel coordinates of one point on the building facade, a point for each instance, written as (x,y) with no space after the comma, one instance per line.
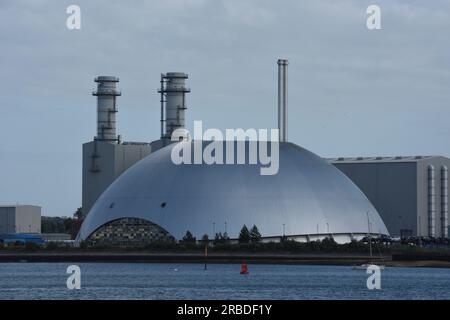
(308,199)
(20,219)
(107,157)
(409,193)
(157,200)
(103,162)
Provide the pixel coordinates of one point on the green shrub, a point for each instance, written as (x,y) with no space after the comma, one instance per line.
(83,245)
(31,246)
(51,245)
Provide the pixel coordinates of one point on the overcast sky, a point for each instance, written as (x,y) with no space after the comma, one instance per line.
(352,92)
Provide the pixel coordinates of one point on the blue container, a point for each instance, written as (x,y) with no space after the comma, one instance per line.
(21,237)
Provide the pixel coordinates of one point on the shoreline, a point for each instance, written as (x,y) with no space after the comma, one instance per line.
(345,259)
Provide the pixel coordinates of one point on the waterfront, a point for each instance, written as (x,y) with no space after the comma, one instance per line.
(220,281)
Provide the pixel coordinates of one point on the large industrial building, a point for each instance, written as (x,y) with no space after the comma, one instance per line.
(155,199)
(409,193)
(107,156)
(133,192)
(20,219)
(308,199)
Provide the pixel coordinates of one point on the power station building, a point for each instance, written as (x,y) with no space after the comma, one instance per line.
(155,199)
(410,193)
(134,192)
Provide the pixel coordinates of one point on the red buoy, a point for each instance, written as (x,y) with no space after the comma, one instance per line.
(244,268)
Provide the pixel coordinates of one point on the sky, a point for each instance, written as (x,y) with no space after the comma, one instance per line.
(352,91)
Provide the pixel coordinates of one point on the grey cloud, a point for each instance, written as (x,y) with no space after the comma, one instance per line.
(352,91)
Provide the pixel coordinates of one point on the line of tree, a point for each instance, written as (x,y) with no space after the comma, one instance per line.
(245,236)
(62,224)
(189,238)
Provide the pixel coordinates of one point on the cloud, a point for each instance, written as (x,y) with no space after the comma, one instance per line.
(351,91)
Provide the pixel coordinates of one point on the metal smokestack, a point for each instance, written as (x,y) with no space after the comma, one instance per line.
(173,102)
(282,99)
(106,108)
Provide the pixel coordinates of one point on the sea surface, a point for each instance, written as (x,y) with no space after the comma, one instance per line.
(220,281)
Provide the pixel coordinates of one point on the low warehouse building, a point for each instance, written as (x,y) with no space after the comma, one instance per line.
(20,219)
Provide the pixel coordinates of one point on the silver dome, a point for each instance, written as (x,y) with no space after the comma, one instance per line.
(307,197)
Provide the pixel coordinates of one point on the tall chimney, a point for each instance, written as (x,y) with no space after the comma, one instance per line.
(106,108)
(173,102)
(282,99)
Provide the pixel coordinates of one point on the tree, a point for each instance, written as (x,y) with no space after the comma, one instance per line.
(255,236)
(205,240)
(78,214)
(218,238)
(244,235)
(189,238)
(328,243)
(221,238)
(57,224)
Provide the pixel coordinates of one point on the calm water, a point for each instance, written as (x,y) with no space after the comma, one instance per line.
(190,281)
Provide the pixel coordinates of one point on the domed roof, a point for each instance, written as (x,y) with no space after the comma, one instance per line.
(307,196)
